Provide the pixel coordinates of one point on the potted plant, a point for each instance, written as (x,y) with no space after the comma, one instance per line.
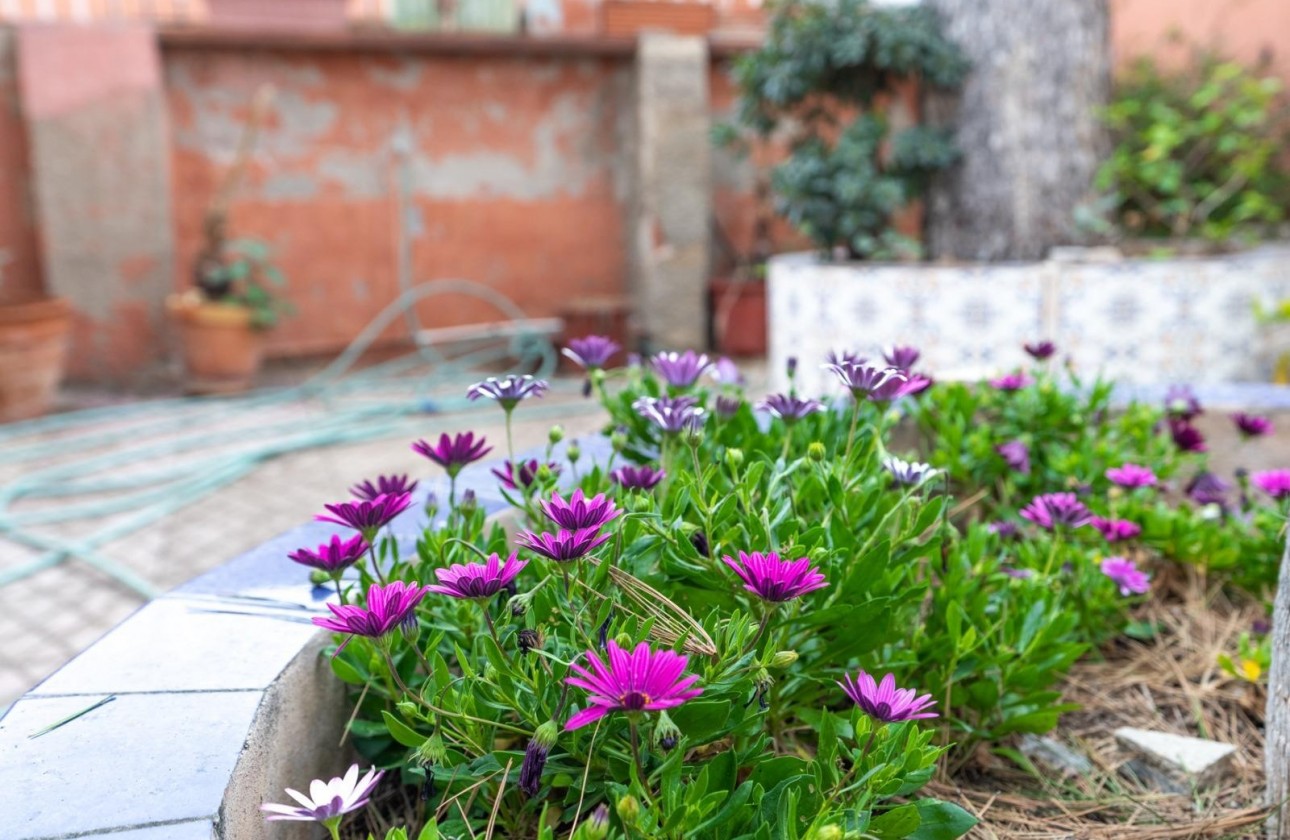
(737,290)
(33,353)
(222,320)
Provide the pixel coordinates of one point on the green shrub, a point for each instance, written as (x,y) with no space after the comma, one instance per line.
(1197,153)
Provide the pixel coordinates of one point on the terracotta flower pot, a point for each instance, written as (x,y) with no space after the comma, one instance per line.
(220,349)
(33,351)
(739,316)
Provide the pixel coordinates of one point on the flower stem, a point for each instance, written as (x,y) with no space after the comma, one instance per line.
(640,766)
(398,678)
(510,445)
(371,551)
(851,435)
(340,593)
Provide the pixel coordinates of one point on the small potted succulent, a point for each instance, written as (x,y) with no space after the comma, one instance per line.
(222,320)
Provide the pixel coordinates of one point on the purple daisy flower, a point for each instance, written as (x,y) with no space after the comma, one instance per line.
(681,370)
(507,391)
(1276,483)
(453,453)
(521,475)
(1116,530)
(367,516)
(907,473)
(1004,529)
(843,357)
(671,414)
(387,607)
(869,381)
(726,372)
(564,545)
(643,680)
(637,478)
(1011,382)
(727,405)
(1040,350)
(333,556)
(1252,425)
(1055,510)
(789,407)
(1181,403)
(580,512)
(1016,454)
(1017,574)
(1131,476)
(1186,436)
(901,357)
(917,384)
(477,581)
(327,802)
(591,352)
(1126,575)
(773,579)
(390,485)
(1208,489)
(883,701)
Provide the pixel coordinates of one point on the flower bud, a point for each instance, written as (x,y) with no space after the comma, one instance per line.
(734,459)
(597,827)
(629,810)
(319,578)
(468,502)
(666,733)
(555,435)
(535,757)
(783,658)
(407,708)
(618,440)
(431,751)
(520,603)
(431,507)
(815,451)
(791,366)
(829,832)
(544,473)
(623,641)
(642,502)
(410,629)
(573,452)
(700,542)
(528,639)
(763,680)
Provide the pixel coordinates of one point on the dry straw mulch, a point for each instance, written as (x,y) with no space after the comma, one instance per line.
(1171,684)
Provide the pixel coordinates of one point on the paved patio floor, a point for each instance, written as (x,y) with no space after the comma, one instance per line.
(50,615)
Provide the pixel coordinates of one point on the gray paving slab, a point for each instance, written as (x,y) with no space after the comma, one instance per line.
(84,759)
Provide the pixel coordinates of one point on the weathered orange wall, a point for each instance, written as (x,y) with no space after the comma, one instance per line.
(19,264)
(516,169)
(1249,31)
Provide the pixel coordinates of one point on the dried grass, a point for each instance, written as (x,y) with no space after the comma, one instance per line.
(1172,684)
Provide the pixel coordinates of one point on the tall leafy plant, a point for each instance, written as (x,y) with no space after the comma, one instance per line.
(822,80)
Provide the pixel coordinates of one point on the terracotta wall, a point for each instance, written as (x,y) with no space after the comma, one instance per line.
(19,263)
(1246,30)
(516,172)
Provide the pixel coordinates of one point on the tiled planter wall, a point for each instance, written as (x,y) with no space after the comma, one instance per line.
(1141,321)
(221,699)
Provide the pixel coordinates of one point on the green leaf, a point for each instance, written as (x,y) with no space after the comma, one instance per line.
(941,820)
(898,822)
(401,732)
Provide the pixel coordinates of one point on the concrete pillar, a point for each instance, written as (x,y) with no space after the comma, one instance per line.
(673,196)
(100,171)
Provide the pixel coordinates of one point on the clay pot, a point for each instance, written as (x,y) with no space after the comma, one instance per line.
(739,316)
(220,349)
(33,352)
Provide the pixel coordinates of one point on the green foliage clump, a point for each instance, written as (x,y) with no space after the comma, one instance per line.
(1198,153)
(820,77)
(246,275)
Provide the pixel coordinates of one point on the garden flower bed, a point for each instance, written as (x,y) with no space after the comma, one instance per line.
(772,619)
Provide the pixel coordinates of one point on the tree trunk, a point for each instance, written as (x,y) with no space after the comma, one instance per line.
(1276,749)
(1026,122)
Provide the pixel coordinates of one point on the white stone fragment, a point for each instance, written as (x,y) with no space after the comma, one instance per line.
(1197,760)
(1051,754)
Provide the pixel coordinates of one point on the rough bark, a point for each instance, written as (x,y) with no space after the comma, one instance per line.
(1276,749)
(1026,123)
